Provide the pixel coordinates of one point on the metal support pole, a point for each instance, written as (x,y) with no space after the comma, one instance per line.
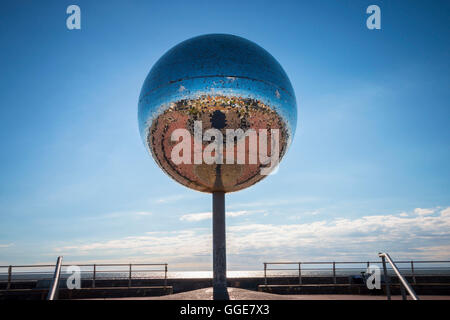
(8,286)
(165,276)
(334,272)
(129,277)
(386,279)
(219,247)
(265,273)
(403,292)
(93,276)
(299,273)
(412,272)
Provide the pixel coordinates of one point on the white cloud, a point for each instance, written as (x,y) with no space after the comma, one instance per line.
(423,212)
(143,213)
(196,216)
(118,215)
(207,215)
(157,247)
(274,203)
(405,237)
(173,198)
(305,213)
(434,250)
(240,213)
(446,212)
(6,245)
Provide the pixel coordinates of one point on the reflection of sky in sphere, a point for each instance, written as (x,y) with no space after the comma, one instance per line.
(217,64)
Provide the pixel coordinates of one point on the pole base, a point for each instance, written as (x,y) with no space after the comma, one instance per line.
(220,293)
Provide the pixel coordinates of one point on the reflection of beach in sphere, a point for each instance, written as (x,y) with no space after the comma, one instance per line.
(221,113)
(226,82)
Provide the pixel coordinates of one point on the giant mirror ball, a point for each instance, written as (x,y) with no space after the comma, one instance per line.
(226,82)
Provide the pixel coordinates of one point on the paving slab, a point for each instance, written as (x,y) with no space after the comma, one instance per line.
(242,294)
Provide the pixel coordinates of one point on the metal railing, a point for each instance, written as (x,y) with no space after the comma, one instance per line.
(333,269)
(53,290)
(93,272)
(103,271)
(403,283)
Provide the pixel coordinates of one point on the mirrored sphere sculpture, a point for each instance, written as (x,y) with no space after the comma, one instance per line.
(222,82)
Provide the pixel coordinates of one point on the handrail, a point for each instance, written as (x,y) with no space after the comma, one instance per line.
(355,262)
(302,268)
(87,265)
(119,264)
(383,256)
(10,271)
(163,264)
(53,291)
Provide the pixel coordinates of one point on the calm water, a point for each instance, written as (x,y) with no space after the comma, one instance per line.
(34,275)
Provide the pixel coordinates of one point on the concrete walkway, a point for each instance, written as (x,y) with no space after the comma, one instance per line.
(242,294)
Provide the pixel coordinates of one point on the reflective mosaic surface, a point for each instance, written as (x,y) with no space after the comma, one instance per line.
(226,82)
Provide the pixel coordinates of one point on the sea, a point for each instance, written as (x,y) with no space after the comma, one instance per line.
(38,275)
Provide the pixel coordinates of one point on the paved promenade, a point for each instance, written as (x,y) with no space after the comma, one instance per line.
(242,294)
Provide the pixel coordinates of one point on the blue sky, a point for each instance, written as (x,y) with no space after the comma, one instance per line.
(368,169)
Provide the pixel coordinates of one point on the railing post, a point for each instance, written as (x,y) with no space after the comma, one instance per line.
(412,272)
(299,273)
(165,276)
(129,277)
(265,273)
(93,276)
(386,278)
(8,286)
(334,272)
(403,292)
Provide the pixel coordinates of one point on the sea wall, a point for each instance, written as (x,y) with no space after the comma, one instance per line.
(37,290)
